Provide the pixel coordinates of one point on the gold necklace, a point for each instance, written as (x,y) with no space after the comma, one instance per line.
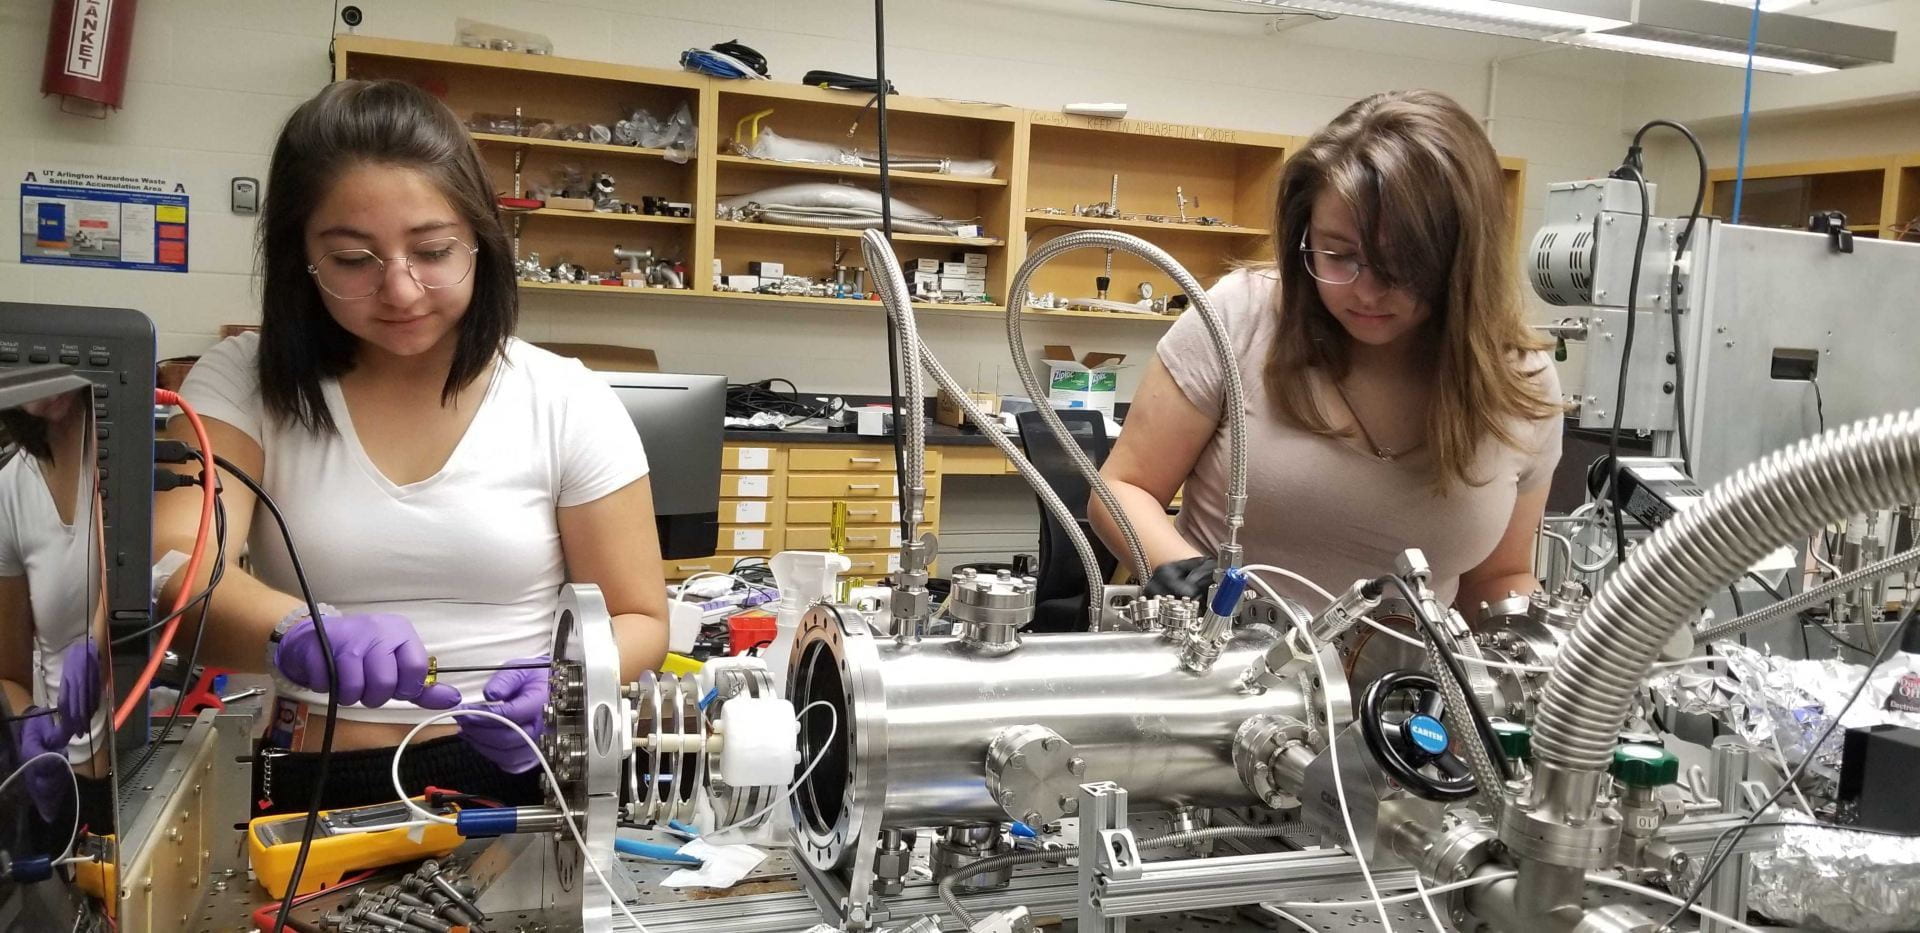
(1383,454)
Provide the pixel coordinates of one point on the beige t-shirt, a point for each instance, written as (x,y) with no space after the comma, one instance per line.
(1319,506)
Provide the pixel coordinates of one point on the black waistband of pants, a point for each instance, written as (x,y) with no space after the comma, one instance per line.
(283,780)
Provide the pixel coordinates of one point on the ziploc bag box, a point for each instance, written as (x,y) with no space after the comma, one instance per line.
(1091,381)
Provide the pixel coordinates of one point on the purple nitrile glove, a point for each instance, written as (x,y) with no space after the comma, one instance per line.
(79,686)
(519,695)
(378,657)
(46,780)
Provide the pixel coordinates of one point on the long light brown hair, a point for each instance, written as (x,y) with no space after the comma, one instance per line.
(1426,190)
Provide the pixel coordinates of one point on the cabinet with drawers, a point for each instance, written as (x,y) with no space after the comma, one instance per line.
(776,497)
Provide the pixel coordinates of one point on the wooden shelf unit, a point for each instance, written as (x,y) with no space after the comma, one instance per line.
(1906,200)
(1226,174)
(1041,159)
(914,127)
(844,233)
(1156,227)
(567,145)
(1877,193)
(858,171)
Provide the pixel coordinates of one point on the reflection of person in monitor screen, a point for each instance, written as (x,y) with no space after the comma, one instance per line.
(52,627)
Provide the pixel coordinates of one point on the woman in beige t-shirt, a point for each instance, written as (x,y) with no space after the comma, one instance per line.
(1395,396)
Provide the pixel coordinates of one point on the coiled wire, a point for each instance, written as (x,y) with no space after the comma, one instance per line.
(1819,594)
(1863,466)
(1234,403)
(891,284)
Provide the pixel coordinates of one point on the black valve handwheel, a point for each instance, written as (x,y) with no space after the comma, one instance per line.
(1410,740)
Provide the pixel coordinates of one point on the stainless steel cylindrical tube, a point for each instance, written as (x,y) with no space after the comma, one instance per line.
(917,722)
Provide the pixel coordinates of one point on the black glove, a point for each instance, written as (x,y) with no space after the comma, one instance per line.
(1191,578)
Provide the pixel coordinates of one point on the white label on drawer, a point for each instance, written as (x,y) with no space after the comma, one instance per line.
(754,458)
(749,513)
(893,563)
(754,486)
(749,539)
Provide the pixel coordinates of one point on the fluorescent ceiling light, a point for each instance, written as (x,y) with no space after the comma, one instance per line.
(1517,18)
(1710,31)
(1691,53)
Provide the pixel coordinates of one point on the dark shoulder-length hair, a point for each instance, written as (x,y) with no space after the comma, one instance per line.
(353,123)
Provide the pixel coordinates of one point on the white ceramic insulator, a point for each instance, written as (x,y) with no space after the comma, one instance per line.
(762,738)
(673,744)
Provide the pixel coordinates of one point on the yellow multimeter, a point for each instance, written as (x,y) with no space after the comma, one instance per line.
(98,874)
(345,841)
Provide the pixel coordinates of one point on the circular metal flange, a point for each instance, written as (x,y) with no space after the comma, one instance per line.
(1255,746)
(837,660)
(1562,609)
(994,609)
(587,725)
(1531,835)
(1034,774)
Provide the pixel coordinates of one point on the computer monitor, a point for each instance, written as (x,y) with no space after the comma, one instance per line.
(680,418)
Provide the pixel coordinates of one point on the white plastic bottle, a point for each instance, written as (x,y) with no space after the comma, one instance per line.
(803,577)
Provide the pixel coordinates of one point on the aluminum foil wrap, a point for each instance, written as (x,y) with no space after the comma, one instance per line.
(1767,699)
(1846,882)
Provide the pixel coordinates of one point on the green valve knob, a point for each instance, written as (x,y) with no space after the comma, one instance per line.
(1516,740)
(1645,766)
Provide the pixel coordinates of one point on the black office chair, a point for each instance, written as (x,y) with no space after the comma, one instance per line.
(1060,596)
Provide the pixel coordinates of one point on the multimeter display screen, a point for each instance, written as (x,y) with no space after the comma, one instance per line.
(335,822)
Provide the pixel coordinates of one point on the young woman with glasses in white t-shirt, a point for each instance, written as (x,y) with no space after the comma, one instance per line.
(442,479)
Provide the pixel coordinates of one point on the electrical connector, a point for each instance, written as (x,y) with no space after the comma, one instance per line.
(167,480)
(172,451)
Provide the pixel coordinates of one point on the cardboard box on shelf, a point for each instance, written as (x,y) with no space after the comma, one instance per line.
(929,266)
(976,261)
(947,410)
(1091,381)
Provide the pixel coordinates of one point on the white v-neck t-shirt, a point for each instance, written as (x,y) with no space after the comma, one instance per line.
(471,555)
(61,565)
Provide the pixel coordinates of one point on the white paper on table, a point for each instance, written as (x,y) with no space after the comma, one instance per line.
(721,866)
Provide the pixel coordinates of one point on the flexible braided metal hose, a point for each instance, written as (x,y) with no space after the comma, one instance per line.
(907,336)
(1233,403)
(891,284)
(1458,719)
(1863,466)
(951,898)
(1819,594)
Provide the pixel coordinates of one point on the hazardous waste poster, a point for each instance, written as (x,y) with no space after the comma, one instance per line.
(103,221)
